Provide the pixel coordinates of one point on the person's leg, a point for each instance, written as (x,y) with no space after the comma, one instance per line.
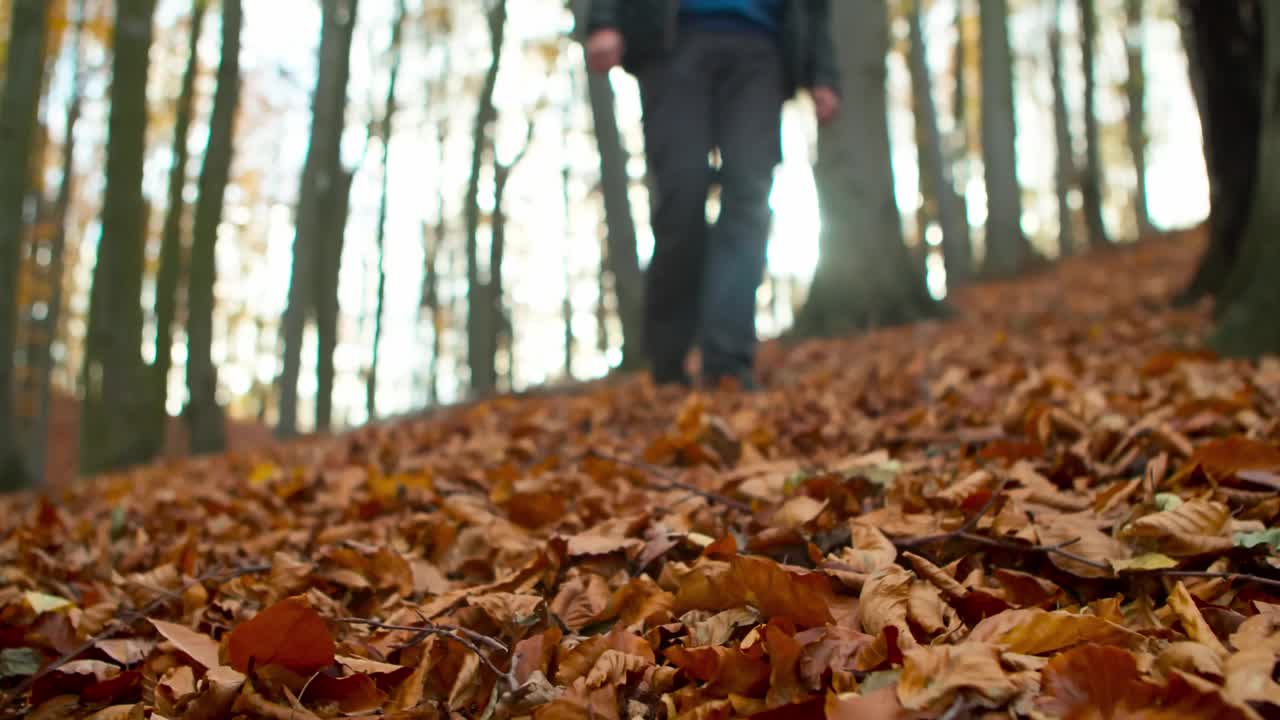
(747,129)
(676,99)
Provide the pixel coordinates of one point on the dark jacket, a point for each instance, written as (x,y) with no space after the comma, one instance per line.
(650,26)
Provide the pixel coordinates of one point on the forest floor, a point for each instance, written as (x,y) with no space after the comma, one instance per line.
(1054,505)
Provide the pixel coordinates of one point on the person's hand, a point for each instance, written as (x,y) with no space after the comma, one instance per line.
(826,104)
(604,50)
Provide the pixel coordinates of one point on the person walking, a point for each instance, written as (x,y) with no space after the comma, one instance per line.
(713,77)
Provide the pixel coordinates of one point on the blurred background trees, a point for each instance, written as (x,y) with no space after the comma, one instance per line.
(307,214)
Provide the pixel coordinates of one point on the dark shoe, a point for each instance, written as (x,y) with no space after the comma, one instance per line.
(668,379)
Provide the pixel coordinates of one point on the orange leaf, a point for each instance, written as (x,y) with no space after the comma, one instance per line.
(353,693)
(724,670)
(932,676)
(1034,631)
(289,633)
(798,595)
(882,704)
(1227,456)
(197,646)
(580,600)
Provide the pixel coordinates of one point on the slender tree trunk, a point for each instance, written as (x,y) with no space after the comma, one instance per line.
(43,362)
(865,276)
(1008,252)
(171,261)
(332,239)
(1250,297)
(204,416)
(479,355)
(497,326)
(431,289)
(1091,180)
(113,362)
(620,258)
(23,79)
(1136,88)
(566,302)
(388,120)
(1225,49)
(321,177)
(955,226)
(1065,170)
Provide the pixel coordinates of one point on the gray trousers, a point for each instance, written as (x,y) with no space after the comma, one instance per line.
(715,91)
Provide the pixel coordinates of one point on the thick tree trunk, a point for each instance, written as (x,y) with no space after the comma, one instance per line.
(1250,300)
(1065,169)
(479,354)
(956,249)
(113,372)
(1136,89)
(171,261)
(1008,252)
(43,363)
(24,78)
(1091,177)
(1225,47)
(204,416)
(388,126)
(321,176)
(865,277)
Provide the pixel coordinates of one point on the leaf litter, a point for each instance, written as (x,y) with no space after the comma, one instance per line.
(1055,505)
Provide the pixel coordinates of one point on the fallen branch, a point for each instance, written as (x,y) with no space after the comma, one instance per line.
(467,638)
(670,484)
(125,618)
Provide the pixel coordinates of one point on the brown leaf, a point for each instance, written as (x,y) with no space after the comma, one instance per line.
(932,676)
(1189,657)
(1193,623)
(197,646)
(353,694)
(1226,456)
(1090,543)
(636,602)
(882,704)
(1192,528)
(797,512)
(1034,631)
(582,703)
(290,634)
(885,602)
(581,600)
(723,670)
(1094,681)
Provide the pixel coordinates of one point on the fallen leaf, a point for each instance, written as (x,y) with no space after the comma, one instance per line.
(1034,632)
(290,634)
(932,676)
(197,646)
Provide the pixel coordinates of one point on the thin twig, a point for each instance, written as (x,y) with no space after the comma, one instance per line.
(1243,577)
(467,638)
(669,483)
(965,528)
(124,619)
(1047,549)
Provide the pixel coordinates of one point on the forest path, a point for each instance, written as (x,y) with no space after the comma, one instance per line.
(947,511)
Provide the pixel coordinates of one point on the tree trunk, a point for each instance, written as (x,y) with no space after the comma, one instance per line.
(1250,300)
(865,276)
(204,416)
(321,175)
(1008,252)
(23,80)
(1136,88)
(1065,170)
(332,237)
(1091,180)
(1225,48)
(479,355)
(388,120)
(955,226)
(620,258)
(43,362)
(171,261)
(113,370)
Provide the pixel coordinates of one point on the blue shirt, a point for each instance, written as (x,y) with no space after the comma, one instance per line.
(765,14)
